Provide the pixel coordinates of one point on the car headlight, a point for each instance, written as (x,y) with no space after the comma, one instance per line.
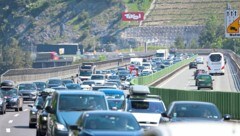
(61,127)
(45,118)
(33,112)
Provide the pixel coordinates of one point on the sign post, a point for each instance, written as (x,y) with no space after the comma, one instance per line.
(232,23)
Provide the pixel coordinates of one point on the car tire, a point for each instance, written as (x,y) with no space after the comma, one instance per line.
(198,88)
(211,88)
(31,125)
(21,109)
(2,112)
(17,109)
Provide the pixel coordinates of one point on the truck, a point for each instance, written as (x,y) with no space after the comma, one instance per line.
(47,56)
(162,53)
(86,70)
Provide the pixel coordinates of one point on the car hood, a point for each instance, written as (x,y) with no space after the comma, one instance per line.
(150,119)
(69,117)
(189,119)
(113,133)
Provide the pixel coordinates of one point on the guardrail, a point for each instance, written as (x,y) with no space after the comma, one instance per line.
(227,102)
(146,80)
(42,74)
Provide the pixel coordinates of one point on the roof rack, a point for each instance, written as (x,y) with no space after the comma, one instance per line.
(139,90)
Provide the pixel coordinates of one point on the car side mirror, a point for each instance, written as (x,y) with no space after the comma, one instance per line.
(49,109)
(39,107)
(30,105)
(164,114)
(227,117)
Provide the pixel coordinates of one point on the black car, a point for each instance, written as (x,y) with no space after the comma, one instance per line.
(185,111)
(34,110)
(123,74)
(2,104)
(54,82)
(193,65)
(13,97)
(42,117)
(198,71)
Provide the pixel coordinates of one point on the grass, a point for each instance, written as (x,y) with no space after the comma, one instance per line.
(141,49)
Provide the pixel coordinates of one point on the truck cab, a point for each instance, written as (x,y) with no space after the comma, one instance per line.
(86,70)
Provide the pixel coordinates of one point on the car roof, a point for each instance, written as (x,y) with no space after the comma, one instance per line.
(111,112)
(111,91)
(192,102)
(63,92)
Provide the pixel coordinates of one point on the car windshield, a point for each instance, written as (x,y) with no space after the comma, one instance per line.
(145,106)
(108,122)
(9,91)
(97,77)
(195,111)
(78,102)
(40,85)
(27,87)
(113,77)
(115,103)
(85,73)
(73,86)
(88,83)
(54,82)
(67,81)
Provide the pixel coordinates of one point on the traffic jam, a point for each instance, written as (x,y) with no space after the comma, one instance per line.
(105,102)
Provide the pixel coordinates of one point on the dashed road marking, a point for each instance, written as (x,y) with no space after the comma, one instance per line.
(8,130)
(10,121)
(16,115)
(25,110)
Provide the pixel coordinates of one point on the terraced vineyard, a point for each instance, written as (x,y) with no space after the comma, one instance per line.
(187,12)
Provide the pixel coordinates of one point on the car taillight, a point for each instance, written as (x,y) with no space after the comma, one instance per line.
(209,68)
(222,67)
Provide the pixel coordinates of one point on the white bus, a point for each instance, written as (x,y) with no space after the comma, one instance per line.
(216,63)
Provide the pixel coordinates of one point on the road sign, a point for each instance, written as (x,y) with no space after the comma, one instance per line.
(232,24)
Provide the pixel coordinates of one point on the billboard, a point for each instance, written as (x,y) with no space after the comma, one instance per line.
(132,16)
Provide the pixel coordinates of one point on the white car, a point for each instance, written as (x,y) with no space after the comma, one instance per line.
(98,78)
(199,60)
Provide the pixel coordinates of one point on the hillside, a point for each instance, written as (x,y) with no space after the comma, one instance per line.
(187,12)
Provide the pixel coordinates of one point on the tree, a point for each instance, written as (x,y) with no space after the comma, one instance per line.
(179,43)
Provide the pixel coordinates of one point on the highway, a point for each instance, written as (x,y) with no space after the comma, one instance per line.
(184,79)
(16,123)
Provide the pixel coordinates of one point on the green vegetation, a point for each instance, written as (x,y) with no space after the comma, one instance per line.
(141,48)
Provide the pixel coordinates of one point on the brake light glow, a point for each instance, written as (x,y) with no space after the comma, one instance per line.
(209,68)
(223,67)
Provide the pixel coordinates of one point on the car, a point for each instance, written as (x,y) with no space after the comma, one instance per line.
(115,98)
(199,60)
(59,88)
(192,111)
(14,98)
(54,82)
(98,78)
(193,65)
(67,81)
(28,90)
(118,83)
(73,86)
(199,71)
(195,129)
(87,84)
(3,104)
(67,106)
(113,77)
(204,81)
(97,87)
(146,108)
(34,111)
(42,117)
(40,85)
(123,74)
(107,123)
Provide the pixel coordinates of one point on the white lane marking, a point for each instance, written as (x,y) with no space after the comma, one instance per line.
(8,130)
(25,110)
(10,121)
(16,115)
(175,75)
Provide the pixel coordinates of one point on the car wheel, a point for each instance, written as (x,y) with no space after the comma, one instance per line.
(211,88)
(31,125)
(1,112)
(17,109)
(21,109)
(198,88)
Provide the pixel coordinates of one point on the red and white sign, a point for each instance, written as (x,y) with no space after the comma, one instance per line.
(132,16)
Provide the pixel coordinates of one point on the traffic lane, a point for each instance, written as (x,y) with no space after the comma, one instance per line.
(184,80)
(16,123)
